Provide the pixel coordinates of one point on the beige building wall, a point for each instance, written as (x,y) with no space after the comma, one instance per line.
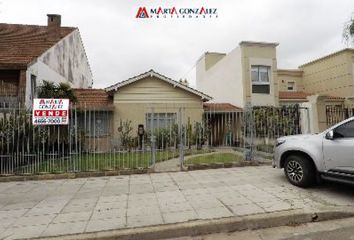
(330,75)
(286,76)
(220,76)
(134,101)
(211,58)
(228,77)
(257,53)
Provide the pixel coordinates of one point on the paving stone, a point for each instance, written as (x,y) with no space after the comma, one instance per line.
(72,217)
(93,204)
(33,220)
(275,206)
(5,214)
(144,220)
(23,232)
(181,216)
(112,213)
(57,229)
(212,213)
(20,205)
(111,205)
(95,225)
(141,211)
(246,209)
(6,222)
(176,207)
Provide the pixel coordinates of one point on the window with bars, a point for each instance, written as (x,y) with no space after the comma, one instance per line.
(260,79)
(95,124)
(160,120)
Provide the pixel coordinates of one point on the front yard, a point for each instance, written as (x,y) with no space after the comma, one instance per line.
(100,161)
(215,158)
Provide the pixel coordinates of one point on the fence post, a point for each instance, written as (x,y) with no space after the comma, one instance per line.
(153,151)
(153,141)
(180,136)
(249,125)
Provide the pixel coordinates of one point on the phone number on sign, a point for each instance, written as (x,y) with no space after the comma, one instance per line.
(50,121)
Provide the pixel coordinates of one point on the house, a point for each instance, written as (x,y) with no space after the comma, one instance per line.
(153,100)
(249,72)
(252,78)
(326,86)
(330,75)
(30,54)
(92,114)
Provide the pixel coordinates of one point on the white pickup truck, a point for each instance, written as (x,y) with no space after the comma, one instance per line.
(328,155)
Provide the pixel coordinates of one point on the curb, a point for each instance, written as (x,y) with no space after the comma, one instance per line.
(53,176)
(202,227)
(203,166)
(107,173)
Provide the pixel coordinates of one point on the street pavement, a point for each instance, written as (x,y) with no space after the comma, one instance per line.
(71,206)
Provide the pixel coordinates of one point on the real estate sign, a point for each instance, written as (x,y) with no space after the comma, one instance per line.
(50,111)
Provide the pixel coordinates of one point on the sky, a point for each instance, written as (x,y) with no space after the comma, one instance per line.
(120,46)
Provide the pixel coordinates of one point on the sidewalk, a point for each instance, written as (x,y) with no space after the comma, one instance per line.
(72,206)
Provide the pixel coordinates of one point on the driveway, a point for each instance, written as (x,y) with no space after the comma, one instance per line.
(56,207)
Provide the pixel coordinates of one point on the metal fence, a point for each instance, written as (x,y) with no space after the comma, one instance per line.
(93,142)
(336,114)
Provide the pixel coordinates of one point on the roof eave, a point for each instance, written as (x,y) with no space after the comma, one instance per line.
(13,66)
(152,73)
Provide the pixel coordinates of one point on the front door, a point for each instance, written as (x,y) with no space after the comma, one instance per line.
(339,152)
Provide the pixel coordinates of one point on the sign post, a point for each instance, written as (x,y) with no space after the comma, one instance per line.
(50,111)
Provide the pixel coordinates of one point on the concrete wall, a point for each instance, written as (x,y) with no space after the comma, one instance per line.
(260,54)
(332,75)
(64,62)
(68,58)
(222,79)
(135,100)
(206,61)
(42,72)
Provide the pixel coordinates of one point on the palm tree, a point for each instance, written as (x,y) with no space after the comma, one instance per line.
(61,90)
(52,90)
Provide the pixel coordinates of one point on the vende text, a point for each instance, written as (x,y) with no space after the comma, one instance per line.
(50,113)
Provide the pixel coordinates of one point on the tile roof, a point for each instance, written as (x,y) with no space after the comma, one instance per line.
(97,99)
(20,44)
(116,86)
(293,95)
(335,98)
(303,96)
(221,107)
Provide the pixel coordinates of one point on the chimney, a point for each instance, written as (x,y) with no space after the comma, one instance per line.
(54,22)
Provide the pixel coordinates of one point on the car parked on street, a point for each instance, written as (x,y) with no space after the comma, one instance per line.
(309,158)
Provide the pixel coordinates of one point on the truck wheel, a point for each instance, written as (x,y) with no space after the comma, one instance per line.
(299,171)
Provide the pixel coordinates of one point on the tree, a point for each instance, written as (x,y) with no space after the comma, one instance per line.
(348,31)
(52,90)
(61,90)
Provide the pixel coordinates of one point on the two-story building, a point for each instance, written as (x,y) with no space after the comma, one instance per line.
(30,54)
(248,74)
